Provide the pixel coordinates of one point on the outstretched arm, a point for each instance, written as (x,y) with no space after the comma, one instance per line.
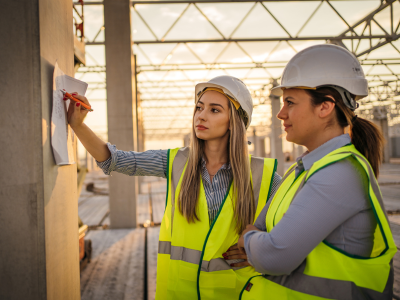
(108,157)
(93,144)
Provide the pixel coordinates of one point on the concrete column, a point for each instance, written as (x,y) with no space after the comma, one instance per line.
(381,120)
(260,151)
(121,107)
(258,144)
(39,257)
(276,132)
(140,135)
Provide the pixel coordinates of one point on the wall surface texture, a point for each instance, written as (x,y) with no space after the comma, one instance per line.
(38,200)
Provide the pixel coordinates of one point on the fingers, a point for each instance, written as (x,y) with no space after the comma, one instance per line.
(70,110)
(232,252)
(235,254)
(234,247)
(77,107)
(80,97)
(240,264)
(238,256)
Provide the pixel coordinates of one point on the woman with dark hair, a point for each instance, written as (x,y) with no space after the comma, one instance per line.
(324,234)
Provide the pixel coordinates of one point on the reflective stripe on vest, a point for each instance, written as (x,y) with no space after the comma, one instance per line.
(182,245)
(328,272)
(192,256)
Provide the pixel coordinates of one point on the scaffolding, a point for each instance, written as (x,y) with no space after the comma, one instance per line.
(181,43)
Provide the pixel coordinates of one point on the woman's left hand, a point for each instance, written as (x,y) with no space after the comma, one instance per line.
(237,251)
(240,242)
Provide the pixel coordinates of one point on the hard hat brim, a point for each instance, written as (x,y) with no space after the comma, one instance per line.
(278,90)
(202,85)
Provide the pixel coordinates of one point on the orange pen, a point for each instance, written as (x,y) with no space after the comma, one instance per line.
(69,96)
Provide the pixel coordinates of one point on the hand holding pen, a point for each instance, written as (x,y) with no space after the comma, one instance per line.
(76,111)
(69,96)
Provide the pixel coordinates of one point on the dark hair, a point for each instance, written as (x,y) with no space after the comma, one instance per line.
(365,135)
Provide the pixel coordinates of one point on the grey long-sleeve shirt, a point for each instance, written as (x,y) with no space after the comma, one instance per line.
(331,206)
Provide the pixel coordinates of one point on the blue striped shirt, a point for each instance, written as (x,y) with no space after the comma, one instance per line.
(154,163)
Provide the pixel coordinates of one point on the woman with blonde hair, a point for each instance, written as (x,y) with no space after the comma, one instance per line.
(214,190)
(325,232)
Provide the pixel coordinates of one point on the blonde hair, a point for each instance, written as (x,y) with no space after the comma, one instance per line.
(243,199)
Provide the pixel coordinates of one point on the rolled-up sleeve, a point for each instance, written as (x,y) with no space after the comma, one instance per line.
(148,163)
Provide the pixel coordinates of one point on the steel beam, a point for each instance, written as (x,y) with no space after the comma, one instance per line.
(190,2)
(272,39)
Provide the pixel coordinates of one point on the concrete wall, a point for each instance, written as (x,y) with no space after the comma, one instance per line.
(121,107)
(38,200)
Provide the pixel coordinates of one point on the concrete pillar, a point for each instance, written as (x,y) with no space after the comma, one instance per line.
(258,144)
(140,134)
(261,146)
(121,107)
(276,132)
(39,257)
(381,120)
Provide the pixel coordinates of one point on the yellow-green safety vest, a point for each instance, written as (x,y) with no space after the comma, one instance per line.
(329,272)
(190,264)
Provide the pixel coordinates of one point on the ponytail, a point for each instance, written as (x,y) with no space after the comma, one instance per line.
(368,139)
(365,135)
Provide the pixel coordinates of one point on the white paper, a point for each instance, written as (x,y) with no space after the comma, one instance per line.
(61,134)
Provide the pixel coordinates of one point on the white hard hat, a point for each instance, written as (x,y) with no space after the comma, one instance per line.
(325,65)
(232,87)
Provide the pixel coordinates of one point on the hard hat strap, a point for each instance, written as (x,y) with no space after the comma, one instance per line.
(346,96)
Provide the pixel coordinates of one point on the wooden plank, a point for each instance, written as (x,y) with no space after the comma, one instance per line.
(93,210)
(106,221)
(101,241)
(152,249)
(117,269)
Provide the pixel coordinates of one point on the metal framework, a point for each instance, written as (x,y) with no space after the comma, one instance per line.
(166,88)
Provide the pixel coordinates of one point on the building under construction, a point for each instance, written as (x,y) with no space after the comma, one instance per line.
(142,60)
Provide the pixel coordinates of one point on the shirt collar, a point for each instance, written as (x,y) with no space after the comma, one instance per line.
(308,158)
(226,166)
